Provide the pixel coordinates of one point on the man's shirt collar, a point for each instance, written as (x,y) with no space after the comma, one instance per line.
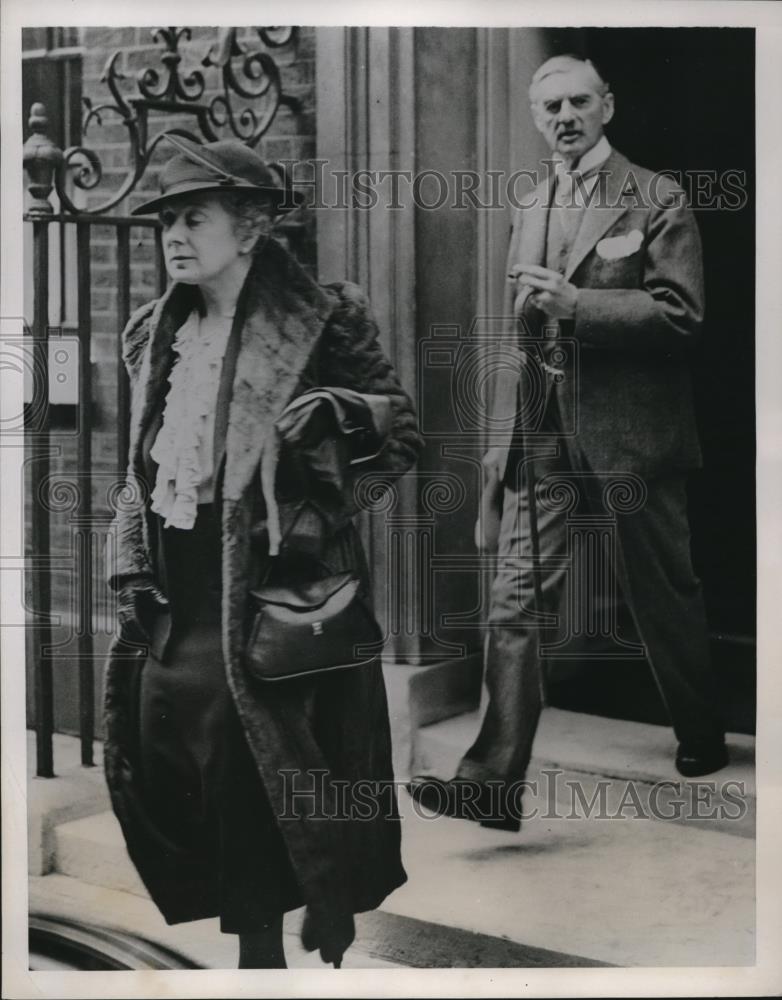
(590,161)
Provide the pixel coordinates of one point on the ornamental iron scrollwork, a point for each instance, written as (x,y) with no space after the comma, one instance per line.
(245,74)
(261,83)
(176,87)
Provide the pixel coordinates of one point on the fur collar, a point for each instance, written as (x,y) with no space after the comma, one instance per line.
(281,311)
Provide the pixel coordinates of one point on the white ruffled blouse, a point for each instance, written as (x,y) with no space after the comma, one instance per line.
(183,446)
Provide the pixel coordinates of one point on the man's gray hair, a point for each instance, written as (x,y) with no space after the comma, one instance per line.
(561,64)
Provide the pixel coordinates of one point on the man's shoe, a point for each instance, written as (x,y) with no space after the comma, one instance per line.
(693,761)
(510,823)
(464,799)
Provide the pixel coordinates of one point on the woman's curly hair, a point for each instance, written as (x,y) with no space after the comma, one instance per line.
(253,213)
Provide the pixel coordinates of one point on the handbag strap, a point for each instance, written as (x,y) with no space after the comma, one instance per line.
(270,456)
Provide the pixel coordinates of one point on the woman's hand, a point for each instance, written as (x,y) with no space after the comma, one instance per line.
(307,424)
(331,934)
(137,598)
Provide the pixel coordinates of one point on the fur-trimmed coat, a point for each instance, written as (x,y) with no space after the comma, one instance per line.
(292,335)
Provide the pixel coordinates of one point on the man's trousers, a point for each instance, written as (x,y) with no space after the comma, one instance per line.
(653,569)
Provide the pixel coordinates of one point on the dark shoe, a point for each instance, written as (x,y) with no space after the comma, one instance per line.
(693,760)
(308,934)
(510,823)
(463,799)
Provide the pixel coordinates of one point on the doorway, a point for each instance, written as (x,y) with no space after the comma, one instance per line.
(685,103)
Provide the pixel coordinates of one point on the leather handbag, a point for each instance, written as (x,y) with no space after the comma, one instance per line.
(310,628)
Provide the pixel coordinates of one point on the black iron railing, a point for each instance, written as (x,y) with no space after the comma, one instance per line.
(243,104)
(40,445)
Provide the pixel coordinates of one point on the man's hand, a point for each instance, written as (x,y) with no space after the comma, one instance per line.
(547,290)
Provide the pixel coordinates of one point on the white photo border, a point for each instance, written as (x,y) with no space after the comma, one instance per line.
(766,976)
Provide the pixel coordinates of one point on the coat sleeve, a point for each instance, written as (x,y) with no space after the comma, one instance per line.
(128,556)
(662,315)
(351,357)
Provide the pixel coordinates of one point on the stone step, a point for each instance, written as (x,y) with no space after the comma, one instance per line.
(92,850)
(588,747)
(546,897)
(626,891)
(384,940)
(200,940)
(93,866)
(475,897)
(75,792)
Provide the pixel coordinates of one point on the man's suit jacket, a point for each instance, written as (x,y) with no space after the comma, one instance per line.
(637,263)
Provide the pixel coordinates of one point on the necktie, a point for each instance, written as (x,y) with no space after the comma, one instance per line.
(572,189)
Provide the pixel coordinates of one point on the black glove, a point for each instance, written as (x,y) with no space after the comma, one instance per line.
(137,599)
(332,934)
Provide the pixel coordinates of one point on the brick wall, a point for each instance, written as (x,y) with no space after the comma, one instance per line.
(292,135)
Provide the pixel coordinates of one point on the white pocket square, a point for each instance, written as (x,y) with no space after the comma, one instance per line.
(614,247)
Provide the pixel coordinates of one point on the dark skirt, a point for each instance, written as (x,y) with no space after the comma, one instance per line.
(200,788)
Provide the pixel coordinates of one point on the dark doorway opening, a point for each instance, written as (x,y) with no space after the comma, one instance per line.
(685,103)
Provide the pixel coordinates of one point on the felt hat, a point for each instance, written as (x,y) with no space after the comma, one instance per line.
(226,165)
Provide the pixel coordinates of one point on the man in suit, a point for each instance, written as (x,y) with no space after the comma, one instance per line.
(607,256)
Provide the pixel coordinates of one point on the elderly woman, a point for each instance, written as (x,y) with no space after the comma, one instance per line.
(226,787)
